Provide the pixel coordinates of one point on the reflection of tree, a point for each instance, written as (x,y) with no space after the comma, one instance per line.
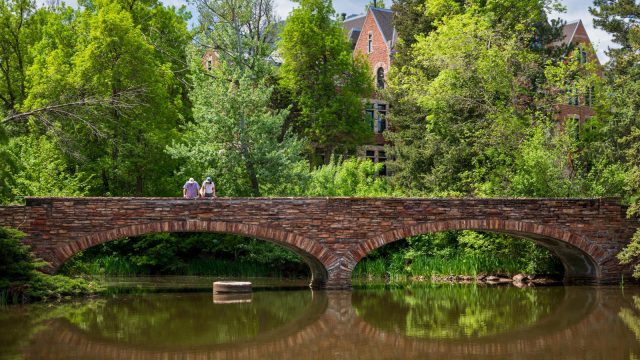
(455,311)
(631,318)
(187,320)
(166,321)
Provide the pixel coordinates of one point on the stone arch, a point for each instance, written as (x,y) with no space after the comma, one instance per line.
(573,250)
(317,256)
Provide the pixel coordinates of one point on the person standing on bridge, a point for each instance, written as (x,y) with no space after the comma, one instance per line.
(208,189)
(191,189)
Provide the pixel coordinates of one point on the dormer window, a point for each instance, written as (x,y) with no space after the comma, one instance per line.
(380,78)
(209,64)
(370,44)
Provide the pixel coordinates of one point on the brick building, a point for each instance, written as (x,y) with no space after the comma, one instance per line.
(577,106)
(374,35)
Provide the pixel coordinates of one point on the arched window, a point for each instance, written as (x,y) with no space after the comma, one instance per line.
(380,78)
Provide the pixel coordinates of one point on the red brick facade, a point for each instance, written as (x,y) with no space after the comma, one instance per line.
(577,107)
(333,234)
(380,55)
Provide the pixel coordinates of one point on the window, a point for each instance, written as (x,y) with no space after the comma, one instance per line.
(378,157)
(369,116)
(371,155)
(382,158)
(590,97)
(380,78)
(209,64)
(370,43)
(572,93)
(381,121)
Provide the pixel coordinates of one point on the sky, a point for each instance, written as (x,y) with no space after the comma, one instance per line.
(576,10)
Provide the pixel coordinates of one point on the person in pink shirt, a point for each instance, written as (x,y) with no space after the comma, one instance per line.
(191,189)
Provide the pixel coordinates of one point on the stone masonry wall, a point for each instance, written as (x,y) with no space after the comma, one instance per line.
(332,234)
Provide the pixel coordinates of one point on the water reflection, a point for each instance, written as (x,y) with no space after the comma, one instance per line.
(448,311)
(417,323)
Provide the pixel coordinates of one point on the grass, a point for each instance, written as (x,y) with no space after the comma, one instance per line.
(430,266)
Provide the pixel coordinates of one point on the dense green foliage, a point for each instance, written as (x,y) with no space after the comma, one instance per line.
(114,99)
(325,79)
(20,280)
(457,253)
(621,18)
(188,254)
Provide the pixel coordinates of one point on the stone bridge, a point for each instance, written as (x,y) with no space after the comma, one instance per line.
(333,234)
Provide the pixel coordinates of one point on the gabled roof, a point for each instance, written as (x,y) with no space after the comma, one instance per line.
(354,23)
(568,33)
(384,20)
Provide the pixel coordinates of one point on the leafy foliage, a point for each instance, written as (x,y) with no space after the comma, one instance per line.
(234,137)
(21,282)
(352,177)
(192,254)
(621,18)
(42,170)
(326,82)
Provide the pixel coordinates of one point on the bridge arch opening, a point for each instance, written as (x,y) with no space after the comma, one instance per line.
(313,254)
(569,248)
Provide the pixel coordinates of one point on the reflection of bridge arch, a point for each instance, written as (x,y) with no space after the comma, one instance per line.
(339,333)
(572,249)
(317,256)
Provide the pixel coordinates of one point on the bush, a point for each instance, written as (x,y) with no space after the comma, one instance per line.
(16,261)
(21,282)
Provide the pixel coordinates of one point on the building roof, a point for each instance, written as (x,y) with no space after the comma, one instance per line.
(384,19)
(354,23)
(568,33)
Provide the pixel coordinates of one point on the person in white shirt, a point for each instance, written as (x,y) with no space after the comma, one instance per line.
(208,189)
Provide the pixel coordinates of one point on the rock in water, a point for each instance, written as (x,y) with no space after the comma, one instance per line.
(226,287)
(520,278)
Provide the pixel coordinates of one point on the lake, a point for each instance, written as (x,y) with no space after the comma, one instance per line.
(417,321)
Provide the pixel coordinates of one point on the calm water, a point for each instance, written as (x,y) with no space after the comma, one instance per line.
(421,322)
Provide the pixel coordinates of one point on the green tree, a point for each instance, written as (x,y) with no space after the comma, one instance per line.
(19,30)
(327,83)
(101,51)
(375,3)
(352,177)
(465,92)
(411,20)
(236,136)
(16,261)
(42,170)
(621,18)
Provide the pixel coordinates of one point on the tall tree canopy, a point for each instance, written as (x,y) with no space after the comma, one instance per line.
(237,135)
(466,92)
(107,82)
(326,81)
(621,18)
